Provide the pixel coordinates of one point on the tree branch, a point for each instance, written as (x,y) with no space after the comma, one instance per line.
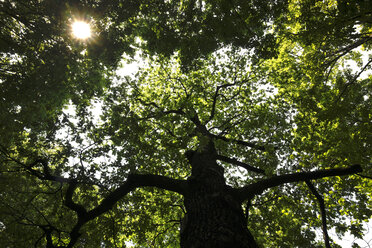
(161,111)
(43,175)
(133,182)
(364,176)
(343,51)
(136,181)
(251,190)
(322,212)
(240,142)
(79,209)
(216,94)
(353,80)
(241,164)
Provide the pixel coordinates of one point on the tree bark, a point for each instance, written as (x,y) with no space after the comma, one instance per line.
(214,218)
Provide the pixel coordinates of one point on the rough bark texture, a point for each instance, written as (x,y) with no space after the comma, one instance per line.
(214,218)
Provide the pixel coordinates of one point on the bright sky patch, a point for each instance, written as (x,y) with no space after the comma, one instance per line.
(81,30)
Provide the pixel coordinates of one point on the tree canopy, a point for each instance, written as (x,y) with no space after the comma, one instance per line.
(277,92)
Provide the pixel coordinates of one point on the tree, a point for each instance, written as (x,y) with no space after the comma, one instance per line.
(243,128)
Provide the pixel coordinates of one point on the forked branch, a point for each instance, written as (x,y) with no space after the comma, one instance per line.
(133,182)
(216,94)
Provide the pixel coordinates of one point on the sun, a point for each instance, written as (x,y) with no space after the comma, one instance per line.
(81,30)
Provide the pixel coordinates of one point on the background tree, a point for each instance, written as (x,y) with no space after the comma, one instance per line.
(228,85)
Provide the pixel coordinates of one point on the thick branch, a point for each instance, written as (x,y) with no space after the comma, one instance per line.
(79,209)
(241,164)
(364,176)
(322,212)
(133,182)
(137,181)
(48,237)
(251,190)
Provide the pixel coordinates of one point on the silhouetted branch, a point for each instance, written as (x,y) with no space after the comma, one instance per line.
(136,181)
(251,190)
(215,96)
(241,164)
(133,182)
(44,174)
(354,79)
(240,142)
(161,111)
(364,176)
(322,211)
(345,50)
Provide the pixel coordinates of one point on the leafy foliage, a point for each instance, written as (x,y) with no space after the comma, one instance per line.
(269,82)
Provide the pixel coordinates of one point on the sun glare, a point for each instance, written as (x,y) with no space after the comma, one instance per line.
(81,30)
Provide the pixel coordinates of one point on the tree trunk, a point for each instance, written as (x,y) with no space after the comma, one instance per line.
(214,218)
